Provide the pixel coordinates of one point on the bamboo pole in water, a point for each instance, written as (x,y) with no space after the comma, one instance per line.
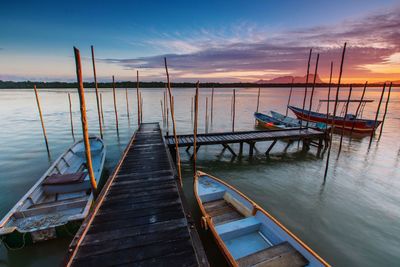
(137,97)
(127,103)
(386,108)
(115,104)
(141,107)
(70,116)
(329,97)
(84,121)
(97,92)
(345,118)
(377,114)
(178,158)
(196,111)
(162,109)
(258,99)
(358,108)
(290,96)
(234,110)
(191,109)
(212,104)
(101,106)
(305,89)
(312,91)
(167,121)
(41,119)
(205,119)
(334,112)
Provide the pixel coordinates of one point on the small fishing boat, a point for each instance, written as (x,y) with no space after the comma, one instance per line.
(350,122)
(246,234)
(268,122)
(59,200)
(293,122)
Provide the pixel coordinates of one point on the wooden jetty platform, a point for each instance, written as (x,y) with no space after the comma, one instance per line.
(140,217)
(306,135)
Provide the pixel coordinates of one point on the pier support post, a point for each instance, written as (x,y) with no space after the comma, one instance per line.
(270,148)
(226,146)
(251,149)
(241,148)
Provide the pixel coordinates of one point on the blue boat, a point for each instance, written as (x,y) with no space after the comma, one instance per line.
(268,122)
(293,122)
(246,234)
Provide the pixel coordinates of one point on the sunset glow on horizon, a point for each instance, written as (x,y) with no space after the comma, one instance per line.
(210,42)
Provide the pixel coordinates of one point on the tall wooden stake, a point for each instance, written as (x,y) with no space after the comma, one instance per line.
(84,120)
(345,118)
(138,99)
(70,116)
(386,109)
(196,111)
(178,157)
(334,113)
(305,89)
(97,92)
(358,108)
(162,110)
(377,114)
(312,91)
(212,104)
(290,96)
(234,110)
(141,107)
(329,97)
(101,106)
(191,109)
(127,103)
(258,99)
(205,118)
(41,119)
(115,104)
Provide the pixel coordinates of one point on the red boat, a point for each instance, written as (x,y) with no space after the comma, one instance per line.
(360,126)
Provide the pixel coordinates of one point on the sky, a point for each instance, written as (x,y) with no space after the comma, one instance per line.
(210,41)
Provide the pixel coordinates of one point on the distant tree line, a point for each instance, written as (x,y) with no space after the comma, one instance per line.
(126,84)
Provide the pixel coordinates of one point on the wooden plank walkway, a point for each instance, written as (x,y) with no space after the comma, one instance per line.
(140,218)
(246,136)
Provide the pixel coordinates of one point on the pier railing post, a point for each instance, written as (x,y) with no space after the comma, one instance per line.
(84,121)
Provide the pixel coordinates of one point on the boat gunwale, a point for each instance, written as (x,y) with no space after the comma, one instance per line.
(7,230)
(256,208)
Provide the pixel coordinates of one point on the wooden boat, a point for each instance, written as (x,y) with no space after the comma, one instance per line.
(293,122)
(268,122)
(361,126)
(246,234)
(58,201)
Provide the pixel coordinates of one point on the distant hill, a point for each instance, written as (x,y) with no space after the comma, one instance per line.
(288,79)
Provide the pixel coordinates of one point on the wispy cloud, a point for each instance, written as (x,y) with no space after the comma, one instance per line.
(245,52)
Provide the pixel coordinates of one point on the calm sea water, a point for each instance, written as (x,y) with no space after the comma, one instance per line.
(351,220)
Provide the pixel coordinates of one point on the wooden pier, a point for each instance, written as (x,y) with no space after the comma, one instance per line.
(140,217)
(306,135)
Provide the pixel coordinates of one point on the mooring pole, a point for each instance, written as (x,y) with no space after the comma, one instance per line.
(377,114)
(127,103)
(97,92)
(334,112)
(101,106)
(206,122)
(196,111)
(290,96)
(84,120)
(191,109)
(305,89)
(312,91)
(141,107)
(178,158)
(138,99)
(258,99)
(115,104)
(358,108)
(386,109)
(345,118)
(162,110)
(212,104)
(41,119)
(70,116)
(329,97)
(234,110)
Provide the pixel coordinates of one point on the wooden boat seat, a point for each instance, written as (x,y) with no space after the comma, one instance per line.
(239,227)
(282,255)
(221,211)
(68,178)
